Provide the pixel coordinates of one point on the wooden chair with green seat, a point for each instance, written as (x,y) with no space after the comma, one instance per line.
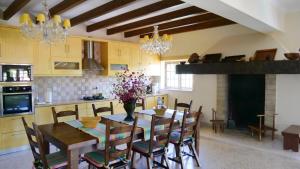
(261,127)
(160,132)
(65,113)
(112,156)
(141,103)
(186,136)
(182,105)
(103,109)
(52,161)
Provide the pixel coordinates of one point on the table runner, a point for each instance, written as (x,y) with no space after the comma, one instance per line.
(98,132)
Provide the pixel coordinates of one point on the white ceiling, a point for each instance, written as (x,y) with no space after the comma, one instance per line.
(288,5)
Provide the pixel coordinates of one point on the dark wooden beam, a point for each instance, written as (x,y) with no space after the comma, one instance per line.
(13,8)
(197,26)
(134,14)
(164,17)
(64,6)
(173,24)
(100,10)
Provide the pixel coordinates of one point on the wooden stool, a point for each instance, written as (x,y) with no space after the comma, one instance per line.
(291,138)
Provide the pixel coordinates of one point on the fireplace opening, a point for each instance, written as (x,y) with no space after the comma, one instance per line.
(246,99)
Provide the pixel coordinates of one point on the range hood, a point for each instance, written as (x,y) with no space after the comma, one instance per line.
(92,58)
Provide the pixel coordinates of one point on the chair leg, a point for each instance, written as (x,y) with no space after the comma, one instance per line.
(149,162)
(180,157)
(195,154)
(164,158)
(132,160)
(273,135)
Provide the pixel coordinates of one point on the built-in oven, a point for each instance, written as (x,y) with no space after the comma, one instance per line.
(15,73)
(16,100)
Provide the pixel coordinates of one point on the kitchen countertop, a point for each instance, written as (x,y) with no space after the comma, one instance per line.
(57,103)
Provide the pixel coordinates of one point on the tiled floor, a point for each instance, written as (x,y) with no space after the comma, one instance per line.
(231,150)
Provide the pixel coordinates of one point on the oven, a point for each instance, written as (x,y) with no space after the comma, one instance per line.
(15,73)
(16,100)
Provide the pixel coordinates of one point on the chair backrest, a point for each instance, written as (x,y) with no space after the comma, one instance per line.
(113,140)
(56,115)
(141,104)
(161,128)
(190,124)
(39,140)
(214,114)
(183,105)
(31,136)
(103,109)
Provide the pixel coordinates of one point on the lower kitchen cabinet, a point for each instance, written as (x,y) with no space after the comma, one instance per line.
(150,102)
(14,123)
(13,139)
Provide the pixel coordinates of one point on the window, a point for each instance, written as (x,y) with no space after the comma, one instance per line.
(176,81)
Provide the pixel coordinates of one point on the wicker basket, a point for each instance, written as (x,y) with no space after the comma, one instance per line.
(90,122)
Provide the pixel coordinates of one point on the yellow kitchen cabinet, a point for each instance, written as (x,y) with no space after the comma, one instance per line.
(13,139)
(43,115)
(72,47)
(42,60)
(66,66)
(118,108)
(15,48)
(135,58)
(150,102)
(151,64)
(118,52)
(14,123)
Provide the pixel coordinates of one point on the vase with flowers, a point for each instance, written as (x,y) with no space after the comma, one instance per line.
(128,88)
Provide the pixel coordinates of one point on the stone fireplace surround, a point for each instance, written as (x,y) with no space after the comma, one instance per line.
(222,96)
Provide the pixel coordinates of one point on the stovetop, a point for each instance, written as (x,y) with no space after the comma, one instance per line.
(93,98)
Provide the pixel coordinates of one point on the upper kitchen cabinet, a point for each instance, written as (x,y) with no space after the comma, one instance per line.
(14,48)
(72,47)
(150,63)
(42,60)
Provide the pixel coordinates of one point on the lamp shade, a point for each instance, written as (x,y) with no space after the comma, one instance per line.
(40,18)
(67,23)
(24,19)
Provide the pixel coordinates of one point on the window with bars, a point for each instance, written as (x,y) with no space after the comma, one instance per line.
(177,81)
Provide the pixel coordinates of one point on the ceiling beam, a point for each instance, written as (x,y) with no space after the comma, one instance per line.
(164,17)
(13,8)
(198,26)
(173,24)
(100,10)
(134,14)
(64,6)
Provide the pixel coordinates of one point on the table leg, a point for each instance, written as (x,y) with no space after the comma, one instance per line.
(46,146)
(73,158)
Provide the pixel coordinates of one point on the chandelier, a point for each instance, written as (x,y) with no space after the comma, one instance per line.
(44,28)
(157,44)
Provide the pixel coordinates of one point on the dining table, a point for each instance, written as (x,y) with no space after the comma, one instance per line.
(75,140)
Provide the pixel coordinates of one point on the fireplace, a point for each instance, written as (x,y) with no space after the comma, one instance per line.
(241,97)
(246,99)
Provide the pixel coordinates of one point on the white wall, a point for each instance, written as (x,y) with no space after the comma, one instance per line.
(233,40)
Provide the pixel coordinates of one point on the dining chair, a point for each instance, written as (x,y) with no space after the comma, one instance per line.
(160,132)
(65,113)
(182,105)
(186,136)
(112,156)
(52,161)
(217,123)
(141,103)
(103,109)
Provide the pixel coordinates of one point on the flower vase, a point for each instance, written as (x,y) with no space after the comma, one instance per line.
(129,108)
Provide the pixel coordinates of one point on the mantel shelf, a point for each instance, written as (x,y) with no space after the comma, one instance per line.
(254,67)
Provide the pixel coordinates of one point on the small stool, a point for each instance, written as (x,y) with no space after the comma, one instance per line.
(217,124)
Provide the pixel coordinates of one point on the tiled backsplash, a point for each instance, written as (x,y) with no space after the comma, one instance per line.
(73,88)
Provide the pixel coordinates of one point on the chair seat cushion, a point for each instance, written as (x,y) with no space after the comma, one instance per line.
(97,158)
(57,159)
(175,137)
(143,146)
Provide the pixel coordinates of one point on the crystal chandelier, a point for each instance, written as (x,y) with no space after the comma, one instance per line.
(44,28)
(157,44)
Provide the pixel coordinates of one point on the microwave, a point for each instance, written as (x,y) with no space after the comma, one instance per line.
(15,73)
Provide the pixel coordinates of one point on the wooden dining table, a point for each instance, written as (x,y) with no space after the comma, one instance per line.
(75,141)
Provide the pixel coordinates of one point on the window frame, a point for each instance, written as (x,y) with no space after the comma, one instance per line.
(179,88)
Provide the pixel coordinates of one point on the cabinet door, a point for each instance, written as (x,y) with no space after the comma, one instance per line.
(42,60)
(43,115)
(12,124)
(13,139)
(74,47)
(59,49)
(17,49)
(135,58)
(150,102)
